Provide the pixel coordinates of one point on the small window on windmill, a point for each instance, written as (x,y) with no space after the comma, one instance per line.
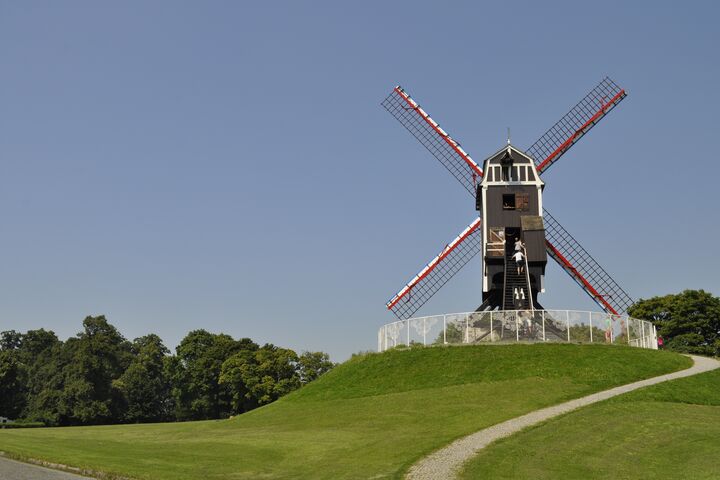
(509,201)
(521,201)
(506,174)
(514,177)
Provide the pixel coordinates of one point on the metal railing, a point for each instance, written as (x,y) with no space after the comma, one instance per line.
(519,326)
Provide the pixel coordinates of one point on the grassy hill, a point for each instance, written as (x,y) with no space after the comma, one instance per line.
(670,430)
(371,417)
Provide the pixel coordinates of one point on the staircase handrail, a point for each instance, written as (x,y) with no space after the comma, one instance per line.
(527,277)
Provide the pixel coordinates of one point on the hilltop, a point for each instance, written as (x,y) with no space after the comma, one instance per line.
(372,416)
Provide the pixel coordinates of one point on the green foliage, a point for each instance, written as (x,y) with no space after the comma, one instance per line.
(453,334)
(144,384)
(688,321)
(98,377)
(30,358)
(581,334)
(199,393)
(46,377)
(12,391)
(24,425)
(261,376)
(99,355)
(10,340)
(313,364)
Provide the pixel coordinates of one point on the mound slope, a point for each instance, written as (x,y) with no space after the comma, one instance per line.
(371,417)
(670,430)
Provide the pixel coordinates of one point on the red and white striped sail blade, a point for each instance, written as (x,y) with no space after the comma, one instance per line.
(437,272)
(576,123)
(583,268)
(433,138)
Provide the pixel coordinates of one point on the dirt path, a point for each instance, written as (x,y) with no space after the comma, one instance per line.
(14,470)
(446,462)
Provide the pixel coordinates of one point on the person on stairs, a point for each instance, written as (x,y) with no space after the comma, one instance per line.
(519,246)
(519,259)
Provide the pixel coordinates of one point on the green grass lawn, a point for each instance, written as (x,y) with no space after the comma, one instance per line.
(667,431)
(371,417)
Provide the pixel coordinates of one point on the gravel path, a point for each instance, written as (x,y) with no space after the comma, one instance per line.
(446,462)
(14,470)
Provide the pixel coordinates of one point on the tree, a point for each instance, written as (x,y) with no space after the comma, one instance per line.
(233,376)
(13,374)
(99,355)
(144,385)
(10,340)
(313,364)
(24,355)
(180,392)
(98,377)
(688,321)
(35,343)
(44,357)
(275,374)
(12,390)
(260,377)
(201,355)
(453,334)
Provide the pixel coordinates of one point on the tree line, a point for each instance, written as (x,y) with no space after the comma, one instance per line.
(688,321)
(99,377)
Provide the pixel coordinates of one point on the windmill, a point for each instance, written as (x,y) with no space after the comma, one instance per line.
(508,194)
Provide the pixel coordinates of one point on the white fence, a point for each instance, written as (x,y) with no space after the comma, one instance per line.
(519,326)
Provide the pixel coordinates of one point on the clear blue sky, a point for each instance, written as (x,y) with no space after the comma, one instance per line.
(227,166)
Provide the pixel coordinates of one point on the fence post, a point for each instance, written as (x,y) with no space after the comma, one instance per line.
(517,328)
(408,332)
(642,334)
(424,331)
(491,325)
(567,322)
(627,329)
(444,330)
(543,320)
(467,330)
(655,343)
(590,317)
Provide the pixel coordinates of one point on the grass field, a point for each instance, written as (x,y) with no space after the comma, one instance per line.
(668,431)
(371,417)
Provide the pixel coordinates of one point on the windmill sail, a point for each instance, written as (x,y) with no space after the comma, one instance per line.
(583,268)
(576,123)
(433,138)
(437,272)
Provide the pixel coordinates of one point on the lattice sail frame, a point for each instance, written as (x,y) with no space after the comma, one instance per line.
(437,272)
(583,268)
(433,138)
(575,124)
